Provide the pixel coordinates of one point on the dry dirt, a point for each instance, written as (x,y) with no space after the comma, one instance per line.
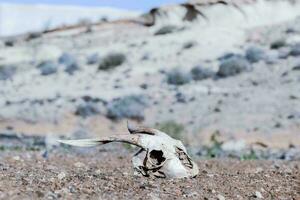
(101,174)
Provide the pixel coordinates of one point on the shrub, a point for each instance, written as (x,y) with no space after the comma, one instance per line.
(172,128)
(233,66)
(131,106)
(47,68)
(111,61)
(178,77)
(166,30)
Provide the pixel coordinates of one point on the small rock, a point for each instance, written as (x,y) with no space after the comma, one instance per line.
(61,175)
(254,54)
(79,164)
(166,30)
(93,59)
(233,66)
(178,77)
(47,68)
(258,195)
(16,158)
(220,197)
(199,73)
(111,61)
(234,145)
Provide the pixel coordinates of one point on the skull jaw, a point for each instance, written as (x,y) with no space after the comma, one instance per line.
(172,168)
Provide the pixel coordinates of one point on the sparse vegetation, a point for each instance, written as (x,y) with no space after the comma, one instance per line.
(7,72)
(86,110)
(178,77)
(93,59)
(233,66)
(172,128)
(47,68)
(189,44)
(249,156)
(216,146)
(166,30)
(255,54)
(112,61)
(199,73)
(278,43)
(19,148)
(131,106)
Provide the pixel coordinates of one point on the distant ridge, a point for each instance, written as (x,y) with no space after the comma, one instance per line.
(18,19)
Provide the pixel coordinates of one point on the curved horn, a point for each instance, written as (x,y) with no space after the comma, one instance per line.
(140,130)
(130,139)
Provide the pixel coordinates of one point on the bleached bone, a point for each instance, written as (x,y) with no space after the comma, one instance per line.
(160,155)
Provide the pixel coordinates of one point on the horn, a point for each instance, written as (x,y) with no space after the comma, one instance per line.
(141,130)
(130,139)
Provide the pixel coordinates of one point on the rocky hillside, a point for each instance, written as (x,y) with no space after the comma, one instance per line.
(231,68)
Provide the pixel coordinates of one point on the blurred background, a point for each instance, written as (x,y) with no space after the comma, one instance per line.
(223,74)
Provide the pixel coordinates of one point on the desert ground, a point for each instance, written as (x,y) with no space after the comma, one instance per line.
(102,174)
(225,83)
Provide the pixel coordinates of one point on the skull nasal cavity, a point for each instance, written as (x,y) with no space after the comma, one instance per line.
(157,155)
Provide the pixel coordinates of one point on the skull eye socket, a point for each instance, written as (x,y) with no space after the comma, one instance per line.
(157,156)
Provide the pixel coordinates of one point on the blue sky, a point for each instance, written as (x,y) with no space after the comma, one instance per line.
(127,4)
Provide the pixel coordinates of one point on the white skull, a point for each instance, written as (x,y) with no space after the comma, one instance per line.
(160,155)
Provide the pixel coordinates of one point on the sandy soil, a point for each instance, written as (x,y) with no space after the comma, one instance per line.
(104,175)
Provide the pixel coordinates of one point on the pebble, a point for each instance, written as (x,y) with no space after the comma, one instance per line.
(220,197)
(61,175)
(258,195)
(79,164)
(16,158)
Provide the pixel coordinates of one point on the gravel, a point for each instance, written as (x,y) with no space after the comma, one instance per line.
(108,175)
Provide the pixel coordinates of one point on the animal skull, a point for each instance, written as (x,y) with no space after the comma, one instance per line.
(160,155)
